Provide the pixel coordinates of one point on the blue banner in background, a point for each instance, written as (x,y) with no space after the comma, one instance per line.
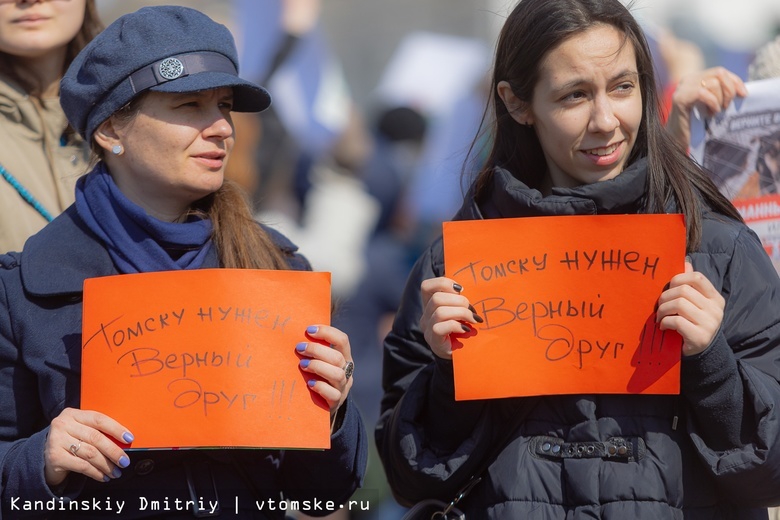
(308,88)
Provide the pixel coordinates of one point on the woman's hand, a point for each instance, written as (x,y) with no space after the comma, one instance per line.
(80,441)
(714,89)
(331,362)
(444,312)
(693,307)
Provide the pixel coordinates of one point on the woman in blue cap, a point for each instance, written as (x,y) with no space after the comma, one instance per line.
(153,94)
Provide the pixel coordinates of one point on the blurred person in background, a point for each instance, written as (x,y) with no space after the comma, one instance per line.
(267,156)
(366,314)
(674,58)
(336,215)
(302,163)
(40,155)
(398,134)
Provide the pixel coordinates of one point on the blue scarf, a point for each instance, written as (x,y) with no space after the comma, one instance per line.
(136,242)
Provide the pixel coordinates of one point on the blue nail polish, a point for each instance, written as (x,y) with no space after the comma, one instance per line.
(305,363)
(124,461)
(105,478)
(300,347)
(312,329)
(116,473)
(128,437)
(311,382)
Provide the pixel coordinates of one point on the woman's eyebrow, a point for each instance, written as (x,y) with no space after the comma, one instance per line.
(579,81)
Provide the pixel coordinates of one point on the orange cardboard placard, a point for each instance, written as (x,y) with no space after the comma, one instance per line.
(205,358)
(568,304)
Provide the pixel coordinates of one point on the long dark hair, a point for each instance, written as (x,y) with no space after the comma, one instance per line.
(240,241)
(532,30)
(12,65)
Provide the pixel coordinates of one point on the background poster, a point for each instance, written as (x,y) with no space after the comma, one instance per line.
(741,148)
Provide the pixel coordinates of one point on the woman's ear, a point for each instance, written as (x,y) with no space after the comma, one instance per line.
(519,110)
(106,136)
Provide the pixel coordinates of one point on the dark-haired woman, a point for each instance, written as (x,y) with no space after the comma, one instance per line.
(577,131)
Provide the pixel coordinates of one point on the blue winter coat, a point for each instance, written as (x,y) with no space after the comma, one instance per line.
(712,452)
(40,360)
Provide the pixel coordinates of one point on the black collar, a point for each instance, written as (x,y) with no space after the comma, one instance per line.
(511,198)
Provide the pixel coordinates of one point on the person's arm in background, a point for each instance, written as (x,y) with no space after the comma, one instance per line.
(677,58)
(297,18)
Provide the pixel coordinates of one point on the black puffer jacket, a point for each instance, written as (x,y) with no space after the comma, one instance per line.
(713,452)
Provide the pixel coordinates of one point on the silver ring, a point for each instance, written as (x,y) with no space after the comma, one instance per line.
(348,369)
(74,448)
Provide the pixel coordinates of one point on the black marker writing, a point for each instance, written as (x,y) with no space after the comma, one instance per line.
(116,335)
(561,344)
(246,315)
(190,392)
(147,361)
(611,260)
(478,271)
(497,312)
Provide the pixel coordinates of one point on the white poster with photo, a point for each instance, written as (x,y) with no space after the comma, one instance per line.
(741,148)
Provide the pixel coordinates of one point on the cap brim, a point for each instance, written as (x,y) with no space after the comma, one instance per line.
(248,97)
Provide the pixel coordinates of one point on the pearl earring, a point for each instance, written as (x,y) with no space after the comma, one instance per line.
(117,149)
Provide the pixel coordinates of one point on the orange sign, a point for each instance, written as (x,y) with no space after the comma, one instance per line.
(205,358)
(568,304)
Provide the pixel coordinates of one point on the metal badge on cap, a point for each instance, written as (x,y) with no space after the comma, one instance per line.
(171,68)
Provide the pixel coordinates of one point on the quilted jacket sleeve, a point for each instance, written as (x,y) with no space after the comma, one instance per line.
(732,388)
(429,443)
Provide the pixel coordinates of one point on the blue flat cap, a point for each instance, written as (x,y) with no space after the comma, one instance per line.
(159,48)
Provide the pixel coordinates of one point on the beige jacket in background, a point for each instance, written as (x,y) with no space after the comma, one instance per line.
(30,150)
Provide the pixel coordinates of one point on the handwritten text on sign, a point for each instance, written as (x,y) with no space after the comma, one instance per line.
(568,304)
(205,357)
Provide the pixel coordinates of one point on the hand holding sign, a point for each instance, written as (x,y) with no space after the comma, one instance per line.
(444,314)
(81,441)
(693,307)
(329,362)
(711,89)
